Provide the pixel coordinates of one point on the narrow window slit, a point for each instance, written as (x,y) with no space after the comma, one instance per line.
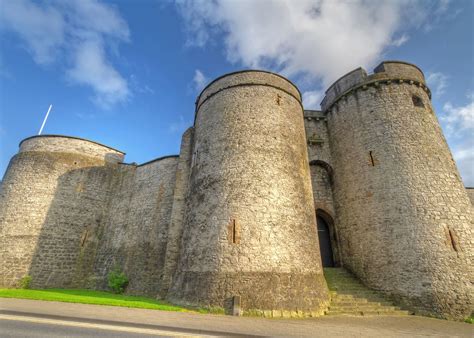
(453,240)
(372,161)
(233,231)
(84,238)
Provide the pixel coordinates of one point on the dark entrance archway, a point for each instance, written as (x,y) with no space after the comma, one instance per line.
(325,242)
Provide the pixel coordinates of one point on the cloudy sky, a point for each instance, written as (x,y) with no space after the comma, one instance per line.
(126,73)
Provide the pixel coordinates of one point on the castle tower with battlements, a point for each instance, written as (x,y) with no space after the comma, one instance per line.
(262,195)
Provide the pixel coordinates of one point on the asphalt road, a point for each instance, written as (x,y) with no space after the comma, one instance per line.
(15,328)
(29,318)
(19,326)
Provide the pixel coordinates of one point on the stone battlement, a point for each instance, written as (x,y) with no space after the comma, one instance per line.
(387,72)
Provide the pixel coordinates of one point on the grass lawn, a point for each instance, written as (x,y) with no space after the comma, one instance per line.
(91,297)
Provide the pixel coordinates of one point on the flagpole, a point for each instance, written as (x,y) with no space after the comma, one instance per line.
(45,118)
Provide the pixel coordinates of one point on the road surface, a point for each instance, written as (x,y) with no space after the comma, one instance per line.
(29,318)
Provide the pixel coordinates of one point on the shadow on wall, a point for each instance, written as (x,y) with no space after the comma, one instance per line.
(74,225)
(104,217)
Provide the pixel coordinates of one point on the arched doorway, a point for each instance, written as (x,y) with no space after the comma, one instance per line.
(325,242)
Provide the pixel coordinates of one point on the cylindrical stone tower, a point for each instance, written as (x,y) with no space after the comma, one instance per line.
(403,216)
(52,200)
(249,228)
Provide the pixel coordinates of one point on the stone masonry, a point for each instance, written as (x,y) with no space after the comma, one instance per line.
(232,218)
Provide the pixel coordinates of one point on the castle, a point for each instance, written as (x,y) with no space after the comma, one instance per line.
(262,195)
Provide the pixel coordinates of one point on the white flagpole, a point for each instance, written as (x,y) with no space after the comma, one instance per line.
(45,118)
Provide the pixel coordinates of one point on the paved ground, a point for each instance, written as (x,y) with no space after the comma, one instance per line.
(13,328)
(106,319)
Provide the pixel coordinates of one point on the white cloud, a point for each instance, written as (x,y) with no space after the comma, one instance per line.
(458,123)
(457,119)
(464,156)
(199,80)
(91,68)
(41,28)
(323,39)
(72,34)
(438,82)
(312,99)
(401,40)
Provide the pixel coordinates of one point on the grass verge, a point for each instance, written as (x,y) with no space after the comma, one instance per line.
(92,297)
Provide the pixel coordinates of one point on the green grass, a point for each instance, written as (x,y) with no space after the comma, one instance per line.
(92,297)
(469,320)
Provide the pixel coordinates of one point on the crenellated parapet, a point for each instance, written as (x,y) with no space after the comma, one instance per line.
(386,73)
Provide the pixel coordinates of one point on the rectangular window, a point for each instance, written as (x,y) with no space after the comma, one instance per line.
(233,232)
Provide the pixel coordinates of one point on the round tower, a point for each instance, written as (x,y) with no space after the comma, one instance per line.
(250,230)
(403,217)
(51,202)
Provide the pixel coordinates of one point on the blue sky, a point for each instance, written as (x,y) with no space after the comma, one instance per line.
(126,73)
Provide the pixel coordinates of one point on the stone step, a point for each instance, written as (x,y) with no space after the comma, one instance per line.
(344,281)
(350,297)
(348,288)
(368,313)
(365,291)
(346,285)
(380,301)
(361,302)
(349,301)
(362,308)
(357,294)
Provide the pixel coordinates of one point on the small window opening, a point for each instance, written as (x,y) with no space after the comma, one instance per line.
(453,240)
(278,100)
(417,101)
(233,232)
(84,238)
(194,159)
(372,161)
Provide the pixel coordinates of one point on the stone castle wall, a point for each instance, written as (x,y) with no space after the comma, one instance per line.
(250,226)
(135,231)
(470,193)
(322,172)
(403,216)
(85,214)
(320,161)
(234,214)
(175,231)
(53,193)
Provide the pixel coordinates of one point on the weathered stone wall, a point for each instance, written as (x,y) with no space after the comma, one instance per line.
(70,212)
(234,214)
(319,154)
(320,162)
(249,228)
(53,194)
(175,231)
(403,216)
(136,228)
(470,194)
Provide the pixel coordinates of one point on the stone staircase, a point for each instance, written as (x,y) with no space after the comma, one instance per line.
(350,297)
